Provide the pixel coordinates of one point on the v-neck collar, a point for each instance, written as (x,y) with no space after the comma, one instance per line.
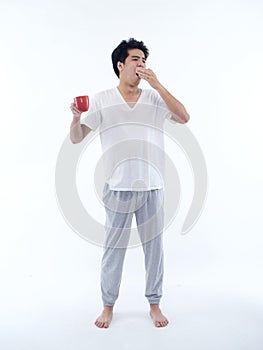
(126,103)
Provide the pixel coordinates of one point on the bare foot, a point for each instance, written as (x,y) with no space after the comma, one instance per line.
(103,321)
(158,318)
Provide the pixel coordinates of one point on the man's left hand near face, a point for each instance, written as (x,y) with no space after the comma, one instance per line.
(148,75)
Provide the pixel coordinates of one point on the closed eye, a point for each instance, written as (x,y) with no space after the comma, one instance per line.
(135,58)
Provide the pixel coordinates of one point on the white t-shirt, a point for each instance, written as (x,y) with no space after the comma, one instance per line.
(131,138)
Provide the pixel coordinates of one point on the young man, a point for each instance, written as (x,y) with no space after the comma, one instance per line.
(128,113)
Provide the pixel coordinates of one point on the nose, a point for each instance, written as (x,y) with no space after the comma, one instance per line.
(141,64)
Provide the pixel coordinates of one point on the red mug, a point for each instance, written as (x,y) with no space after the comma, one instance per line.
(82,103)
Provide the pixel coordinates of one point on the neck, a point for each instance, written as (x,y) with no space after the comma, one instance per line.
(129,90)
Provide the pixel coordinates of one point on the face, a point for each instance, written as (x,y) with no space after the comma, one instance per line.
(135,59)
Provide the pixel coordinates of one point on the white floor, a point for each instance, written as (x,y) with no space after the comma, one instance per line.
(199,319)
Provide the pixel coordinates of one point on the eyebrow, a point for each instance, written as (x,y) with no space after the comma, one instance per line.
(138,57)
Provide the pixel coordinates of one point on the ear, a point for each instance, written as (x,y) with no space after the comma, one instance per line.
(120,66)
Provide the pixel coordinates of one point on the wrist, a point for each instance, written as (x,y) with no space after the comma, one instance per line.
(76,118)
(75,121)
(160,88)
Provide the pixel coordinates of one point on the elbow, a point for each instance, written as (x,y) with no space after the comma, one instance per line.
(186,118)
(183,118)
(74,141)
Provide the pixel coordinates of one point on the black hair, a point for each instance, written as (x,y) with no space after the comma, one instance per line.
(121,52)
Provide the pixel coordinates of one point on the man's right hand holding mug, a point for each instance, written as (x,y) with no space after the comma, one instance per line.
(78,131)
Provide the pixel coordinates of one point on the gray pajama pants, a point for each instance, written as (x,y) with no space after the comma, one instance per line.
(148,209)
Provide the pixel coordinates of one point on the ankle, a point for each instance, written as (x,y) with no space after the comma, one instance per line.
(108,308)
(154,306)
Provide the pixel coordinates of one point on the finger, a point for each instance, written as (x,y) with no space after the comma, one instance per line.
(144,70)
(141,70)
(144,75)
(75,110)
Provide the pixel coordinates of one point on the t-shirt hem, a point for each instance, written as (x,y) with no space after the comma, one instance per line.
(132,189)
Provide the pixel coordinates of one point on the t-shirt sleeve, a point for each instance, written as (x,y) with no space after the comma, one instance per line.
(93,117)
(162,107)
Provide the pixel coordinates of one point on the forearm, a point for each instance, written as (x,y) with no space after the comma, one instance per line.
(76,131)
(178,110)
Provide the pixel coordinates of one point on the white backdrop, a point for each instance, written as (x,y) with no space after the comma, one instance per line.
(209,55)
